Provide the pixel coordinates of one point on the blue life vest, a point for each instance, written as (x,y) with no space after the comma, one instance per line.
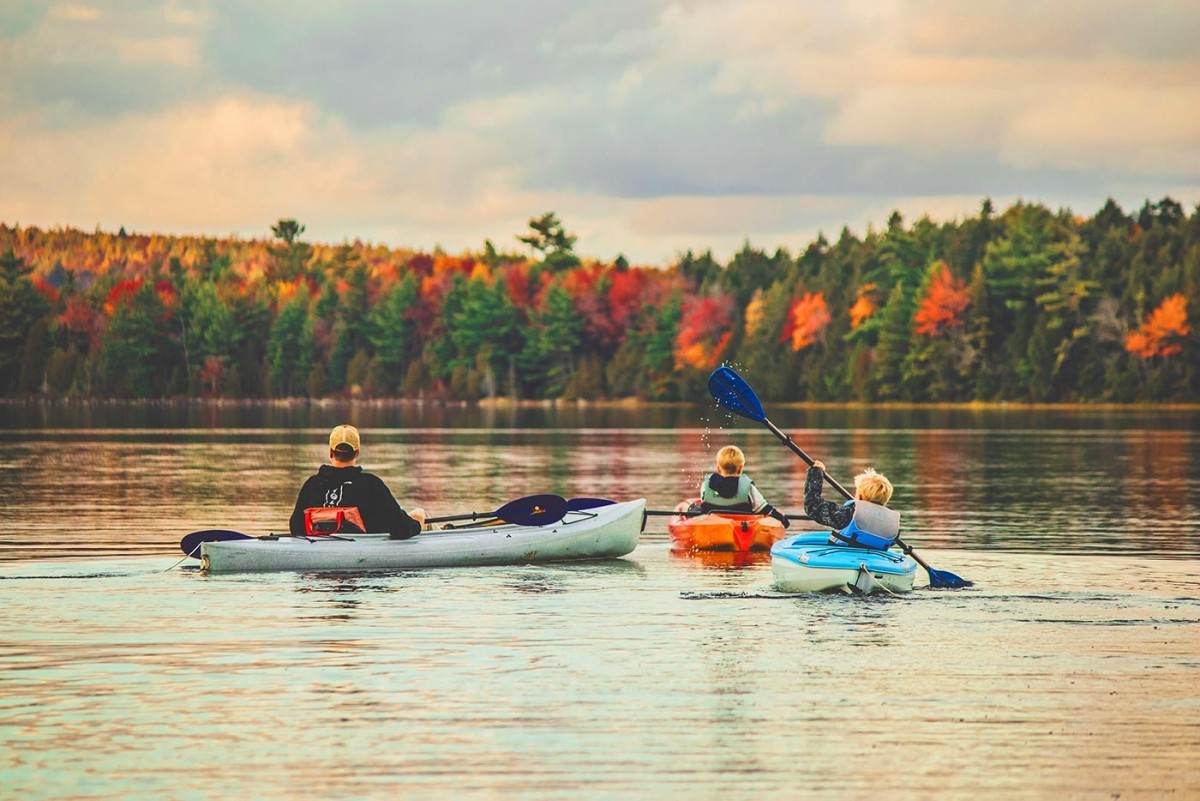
(873,526)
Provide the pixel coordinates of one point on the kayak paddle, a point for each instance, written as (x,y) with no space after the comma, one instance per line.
(579,504)
(532,510)
(190,544)
(697,513)
(732,392)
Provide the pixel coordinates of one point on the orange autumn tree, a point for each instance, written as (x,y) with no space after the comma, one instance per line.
(704,332)
(806,320)
(1159,335)
(943,304)
(754,312)
(864,306)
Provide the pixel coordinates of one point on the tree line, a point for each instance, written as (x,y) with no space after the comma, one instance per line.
(1029,304)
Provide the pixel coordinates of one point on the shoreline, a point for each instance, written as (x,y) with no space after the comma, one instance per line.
(614,403)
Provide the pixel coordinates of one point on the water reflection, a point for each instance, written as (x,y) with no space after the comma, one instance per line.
(720,560)
(316,415)
(1070,490)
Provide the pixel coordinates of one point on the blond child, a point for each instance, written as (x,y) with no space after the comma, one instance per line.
(868,486)
(731,490)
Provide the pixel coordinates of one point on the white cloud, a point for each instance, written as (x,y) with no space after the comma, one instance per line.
(1037,85)
(73,12)
(74,33)
(1147,130)
(205,166)
(709,123)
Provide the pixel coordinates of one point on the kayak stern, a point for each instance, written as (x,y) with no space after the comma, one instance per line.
(808,563)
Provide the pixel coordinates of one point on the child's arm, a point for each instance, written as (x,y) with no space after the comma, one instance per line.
(760,506)
(820,510)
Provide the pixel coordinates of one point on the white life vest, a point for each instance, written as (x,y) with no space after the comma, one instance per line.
(740,502)
(873,526)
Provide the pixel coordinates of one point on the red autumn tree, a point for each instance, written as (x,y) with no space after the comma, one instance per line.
(82,320)
(121,292)
(166,293)
(806,320)
(519,286)
(943,304)
(587,287)
(1159,335)
(704,332)
(629,291)
(421,264)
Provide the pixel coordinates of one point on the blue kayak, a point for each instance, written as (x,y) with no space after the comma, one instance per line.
(808,563)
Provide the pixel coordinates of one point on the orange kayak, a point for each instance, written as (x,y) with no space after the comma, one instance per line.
(722,531)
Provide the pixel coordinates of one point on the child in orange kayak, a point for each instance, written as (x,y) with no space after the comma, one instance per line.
(731,490)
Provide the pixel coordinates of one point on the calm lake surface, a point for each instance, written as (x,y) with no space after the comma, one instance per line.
(1070,670)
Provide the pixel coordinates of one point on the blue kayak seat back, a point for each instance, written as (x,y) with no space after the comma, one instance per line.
(873,526)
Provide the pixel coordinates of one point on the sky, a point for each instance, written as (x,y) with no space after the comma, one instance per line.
(650,128)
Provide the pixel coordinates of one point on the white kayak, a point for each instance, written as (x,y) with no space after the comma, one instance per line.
(598,533)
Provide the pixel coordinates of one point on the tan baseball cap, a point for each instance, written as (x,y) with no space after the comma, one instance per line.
(344,437)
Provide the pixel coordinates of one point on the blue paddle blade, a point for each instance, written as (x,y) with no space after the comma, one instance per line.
(534,510)
(732,392)
(579,504)
(944,578)
(190,544)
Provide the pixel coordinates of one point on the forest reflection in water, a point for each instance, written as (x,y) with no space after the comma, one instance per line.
(134,478)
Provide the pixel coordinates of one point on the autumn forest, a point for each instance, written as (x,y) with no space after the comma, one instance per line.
(1024,304)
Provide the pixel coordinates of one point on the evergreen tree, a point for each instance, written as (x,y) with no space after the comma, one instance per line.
(658,345)
(34,358)
(1066,300)
(556,333)
(551,241)
(21,305)
(137,351)
(351,325)
(887,375)
(290,255)
(289,348)
(486,333)
(392,332)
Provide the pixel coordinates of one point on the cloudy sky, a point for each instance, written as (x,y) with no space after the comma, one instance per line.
(649,127)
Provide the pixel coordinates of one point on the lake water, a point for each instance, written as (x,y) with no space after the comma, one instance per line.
(1070,670)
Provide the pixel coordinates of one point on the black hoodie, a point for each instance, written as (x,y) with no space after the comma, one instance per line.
(725,486)
(352,486)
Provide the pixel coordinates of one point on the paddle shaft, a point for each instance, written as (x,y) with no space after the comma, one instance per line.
(470,516)
(904,546)
(672,513)
(786,440)
(522,511)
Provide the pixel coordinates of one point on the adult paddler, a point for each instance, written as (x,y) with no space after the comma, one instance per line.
(343,498)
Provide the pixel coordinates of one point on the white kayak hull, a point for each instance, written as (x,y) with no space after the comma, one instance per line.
(600,533)
(808,563)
